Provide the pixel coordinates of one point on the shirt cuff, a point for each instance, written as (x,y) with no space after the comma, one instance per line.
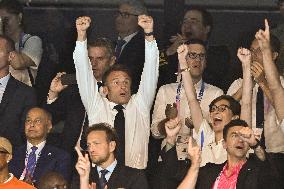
(50,101)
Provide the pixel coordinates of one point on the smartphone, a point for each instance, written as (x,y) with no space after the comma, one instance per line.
(68,79)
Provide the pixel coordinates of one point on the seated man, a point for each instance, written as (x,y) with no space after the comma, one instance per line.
(129,115)
(36,158)
(8,181)
(102,146)
(238,172)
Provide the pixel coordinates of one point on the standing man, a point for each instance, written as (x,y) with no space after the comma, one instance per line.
(129,115)
(65,104)
(15,97)
(130,46)
(102,146)
(197,23)
(36,158)
(8,180)
(175,93)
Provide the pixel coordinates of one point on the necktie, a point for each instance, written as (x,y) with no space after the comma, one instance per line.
(119,125)
(260,114)
(118,48)
(102,179)
(83,141)
(100,84)
(31,163)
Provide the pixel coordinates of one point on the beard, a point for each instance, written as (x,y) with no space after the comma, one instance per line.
(98,160)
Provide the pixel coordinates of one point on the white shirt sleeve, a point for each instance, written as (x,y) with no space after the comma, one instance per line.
(149,78)
(33,49)
(86,81)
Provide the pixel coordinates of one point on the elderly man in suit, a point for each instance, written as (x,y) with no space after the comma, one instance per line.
(102,144)
(15,97)
(36,158)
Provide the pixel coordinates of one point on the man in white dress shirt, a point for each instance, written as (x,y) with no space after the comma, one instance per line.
(136,108)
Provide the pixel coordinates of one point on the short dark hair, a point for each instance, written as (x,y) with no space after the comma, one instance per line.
(207,19)
(10,44)
(234,105)
(114,68)
(46,181)
(196,41)
(233,123)
(11,6)
(110,132)
(103,42)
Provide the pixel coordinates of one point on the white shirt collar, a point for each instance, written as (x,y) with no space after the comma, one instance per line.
(110,168)
(129,37)
(39,146)
(4,81)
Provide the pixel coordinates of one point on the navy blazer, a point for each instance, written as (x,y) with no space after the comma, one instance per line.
(51,159)
(16,101)
(133,56)
(121,177)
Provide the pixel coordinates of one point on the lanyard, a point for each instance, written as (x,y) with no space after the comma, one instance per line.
(199,98)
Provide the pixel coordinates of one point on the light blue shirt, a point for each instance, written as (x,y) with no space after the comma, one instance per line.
(109,168)
(3,83)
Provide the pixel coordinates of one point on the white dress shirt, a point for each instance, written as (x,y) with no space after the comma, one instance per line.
(167,95)
(274,137)
(29,150)
(3,83)
(137,110)
(110,169)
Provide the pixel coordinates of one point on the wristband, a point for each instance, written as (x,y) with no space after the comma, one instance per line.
(149,34)
(256,145)
(184,70)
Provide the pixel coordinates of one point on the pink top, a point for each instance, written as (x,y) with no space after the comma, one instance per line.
(226,181)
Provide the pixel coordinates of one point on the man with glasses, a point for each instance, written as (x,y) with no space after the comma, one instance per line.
(130,47)
(197,23)
(174,93)
(8,180)
(36,158)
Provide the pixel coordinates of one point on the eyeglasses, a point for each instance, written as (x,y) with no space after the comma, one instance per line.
(59,186)
(33,122)
(220,108)
(125,14)
(193,56)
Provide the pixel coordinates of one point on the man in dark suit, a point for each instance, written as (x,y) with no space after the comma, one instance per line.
(197,23)
(102,145)
(36,158)
(15,97)
(238,172)
(130,46)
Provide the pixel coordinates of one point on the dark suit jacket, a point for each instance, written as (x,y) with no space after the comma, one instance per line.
(215,73)
(67,107)
(133,56)
(122,177)
(255,174)
(16,101)
(51,159)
